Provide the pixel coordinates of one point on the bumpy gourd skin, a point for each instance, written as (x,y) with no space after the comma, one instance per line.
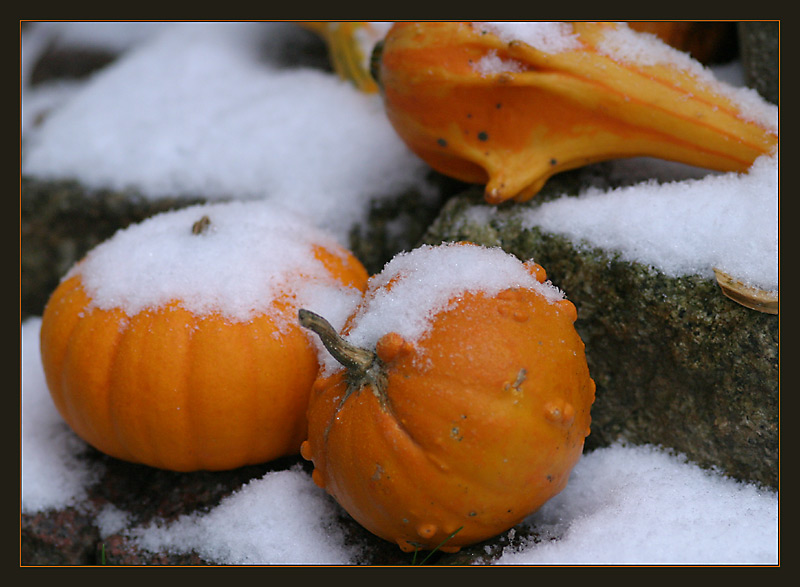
(514,130)
(173,390)
(480,423)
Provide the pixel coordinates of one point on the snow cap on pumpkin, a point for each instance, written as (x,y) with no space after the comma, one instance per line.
(249,254)
(415,286)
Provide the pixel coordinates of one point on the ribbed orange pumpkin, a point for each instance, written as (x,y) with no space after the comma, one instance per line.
(457,436)
(492,109)
(184,390)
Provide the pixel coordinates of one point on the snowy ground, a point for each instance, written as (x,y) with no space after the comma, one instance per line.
(305,138)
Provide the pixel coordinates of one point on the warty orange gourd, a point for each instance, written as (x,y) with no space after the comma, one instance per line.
(456,433)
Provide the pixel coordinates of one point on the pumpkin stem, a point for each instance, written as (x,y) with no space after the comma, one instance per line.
(201,225)
(348,355)
(363,366)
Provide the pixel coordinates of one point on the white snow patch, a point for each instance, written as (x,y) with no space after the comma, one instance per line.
(545,36)
(683,515)
(251,254)
(199,111)
(426,280)
(281,518)
(728,221)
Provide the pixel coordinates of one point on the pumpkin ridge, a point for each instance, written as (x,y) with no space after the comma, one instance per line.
(596,84)
(249,345)
(143,443)
(109,411)
(97,318)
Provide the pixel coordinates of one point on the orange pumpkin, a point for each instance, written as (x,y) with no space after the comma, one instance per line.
(459,434)
(484,106)
(182,383)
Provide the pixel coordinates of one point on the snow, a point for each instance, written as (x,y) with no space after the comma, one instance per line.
(300,136)
(111,36)
(716,519)
(547,37)
(145,121)
(282,518)
(251,254)
(415,286)
(492,63)
(628,46)
(53,475)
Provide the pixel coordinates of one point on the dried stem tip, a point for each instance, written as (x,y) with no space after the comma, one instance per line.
(746,295)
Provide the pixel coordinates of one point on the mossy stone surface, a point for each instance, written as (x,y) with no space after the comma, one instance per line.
(759,43)
(676,363)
